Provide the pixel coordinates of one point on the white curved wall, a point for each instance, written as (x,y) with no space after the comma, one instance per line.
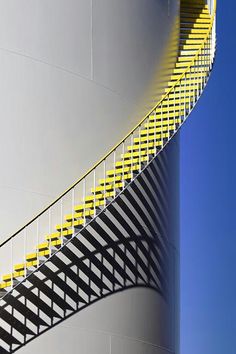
(131,322)
(74,76)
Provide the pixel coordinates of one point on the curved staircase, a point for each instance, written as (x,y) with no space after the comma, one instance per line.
(99,244)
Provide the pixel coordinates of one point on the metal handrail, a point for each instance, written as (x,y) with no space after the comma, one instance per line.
(188,68)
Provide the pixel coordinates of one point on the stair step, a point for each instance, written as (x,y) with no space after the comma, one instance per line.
(132,161)
(78,215)
(164,116)
(108,187)
(192,20)
(153,137)
(189,31)
(123,170)
(137,153)
(194,15)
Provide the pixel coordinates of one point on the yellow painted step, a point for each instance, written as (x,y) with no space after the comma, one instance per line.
(78,215)
(191,41)
(193,31)
(184,14)
(201,10)
(178,101)
(108,187)
(189,47)
(160,124)
(42,246)
(176,113)
(193,36)
(68,225)
(91,198)
(184,65)
(123,170)
(185,59)
(22,266)
(56,243)
(35,255)
(190,75)
(140,147)
(184,19)
(132,161)
(89,205)
(188,80)
(188,52)
(150,131)
(179,94)
(4,284)
(179,70)
(58,234)
(137,153)
(151,137)
(165,109)
(126,176)
(194,25)
(182,88)
(14,275)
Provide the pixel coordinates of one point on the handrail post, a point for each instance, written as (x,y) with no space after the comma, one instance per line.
(94,186)
(84,197)
(24,252)
(104,190)
(114,174)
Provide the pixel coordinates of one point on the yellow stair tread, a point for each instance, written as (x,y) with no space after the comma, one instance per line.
(77,215)
(195,20)
(58,234)
(8,277)
(96,196)
(175,113)
(137,153)
(67,224)
(165,122)
(4,285)
(22,266)
(35,255)
(194,25)
(152,137)
(81,207)
(123,170)
(116,179)
(154,130)
(107,187)
(132,161)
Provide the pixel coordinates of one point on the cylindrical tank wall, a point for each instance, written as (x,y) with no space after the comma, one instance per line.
(139,319)
(74,76)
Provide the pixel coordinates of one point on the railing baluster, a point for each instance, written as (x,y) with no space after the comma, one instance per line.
(123,163)
(84,197)
(104,190)
(114,166)
(73,210)
(12,279)
(37,233)
(139,155)
(61,229)
(24,251)
(94,186)
(49,230)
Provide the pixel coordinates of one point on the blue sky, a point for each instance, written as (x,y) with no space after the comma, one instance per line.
(208,212)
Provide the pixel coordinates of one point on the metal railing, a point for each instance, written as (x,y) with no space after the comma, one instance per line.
(94,191)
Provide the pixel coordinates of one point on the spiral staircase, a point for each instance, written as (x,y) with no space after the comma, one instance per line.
(92,250)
